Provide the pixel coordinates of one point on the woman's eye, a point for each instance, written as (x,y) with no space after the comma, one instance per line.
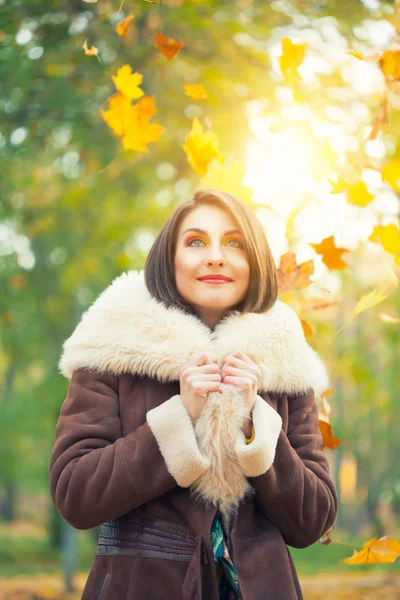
(200,240)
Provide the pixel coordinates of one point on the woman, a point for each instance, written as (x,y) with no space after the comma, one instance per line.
(190,427)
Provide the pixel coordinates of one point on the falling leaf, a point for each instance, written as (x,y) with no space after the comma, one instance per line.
(167,46)
(326,430)
(128,83)
(328,392)
(293,276)
(388,319)
(307,329)
(292,57)
(368,301)
(93,51)
(381,117)
(122,27)
(358,194)
(389,237)
(391,174)
(331,254)
(131,122)
(372,58)
(227,176)
(196,91)
(382,550)
(390,64)
(339,186)
(201,148)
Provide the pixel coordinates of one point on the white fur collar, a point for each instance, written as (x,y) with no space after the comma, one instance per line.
(127,330)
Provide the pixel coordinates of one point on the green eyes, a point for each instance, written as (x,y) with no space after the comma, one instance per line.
(200,240)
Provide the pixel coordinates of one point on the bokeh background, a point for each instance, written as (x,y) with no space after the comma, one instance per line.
(294,106)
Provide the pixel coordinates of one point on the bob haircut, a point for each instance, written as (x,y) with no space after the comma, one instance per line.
(159,270)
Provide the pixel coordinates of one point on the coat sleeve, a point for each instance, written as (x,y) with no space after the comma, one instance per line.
(290,473)
(96,474)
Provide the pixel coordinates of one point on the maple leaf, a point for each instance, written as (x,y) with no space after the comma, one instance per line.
(390,63)
(131,122)
(368,301)
(391,174)
(331,254)
(128,83)
(326,430)
(167,46)
(227,176)
(293,276)
(290,60)
(122,27)
(389,237)
(201,147)
(92,51)
(358,194)
(196,91)
(382,550)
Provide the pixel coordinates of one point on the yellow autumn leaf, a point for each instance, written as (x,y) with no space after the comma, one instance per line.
(227,176)
(131,122)
(128,83)
(92,51)
(196,91)
(122,27)
(368,301)
(391,174)
(358,194)
(291,59)
(382,550)
(388,236)
(201,147)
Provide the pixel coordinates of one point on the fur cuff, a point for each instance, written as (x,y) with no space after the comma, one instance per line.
(172,427)
(256,458)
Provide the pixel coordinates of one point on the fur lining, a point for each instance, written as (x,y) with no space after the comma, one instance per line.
(183,459)
(256,458)
(127,330)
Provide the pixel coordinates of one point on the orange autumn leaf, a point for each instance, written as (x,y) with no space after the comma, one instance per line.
(128,83)
(291,59)
(167,46)
(307,329)
(330,253)
(382,550)
(92,51)
(328,392)
(390,63)
(131,122)
(196,90)
(326,430)
(201,147)
(122,27)
(293,276)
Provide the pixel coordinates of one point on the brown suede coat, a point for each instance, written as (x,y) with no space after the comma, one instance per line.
(127,456)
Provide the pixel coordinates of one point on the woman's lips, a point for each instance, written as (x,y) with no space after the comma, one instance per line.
(215,281)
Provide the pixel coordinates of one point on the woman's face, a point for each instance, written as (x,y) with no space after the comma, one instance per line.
(216,250)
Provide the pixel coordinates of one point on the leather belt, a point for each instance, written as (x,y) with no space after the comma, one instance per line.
(143,536)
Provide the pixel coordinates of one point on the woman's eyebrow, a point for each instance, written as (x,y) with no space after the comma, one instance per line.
(230,231)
